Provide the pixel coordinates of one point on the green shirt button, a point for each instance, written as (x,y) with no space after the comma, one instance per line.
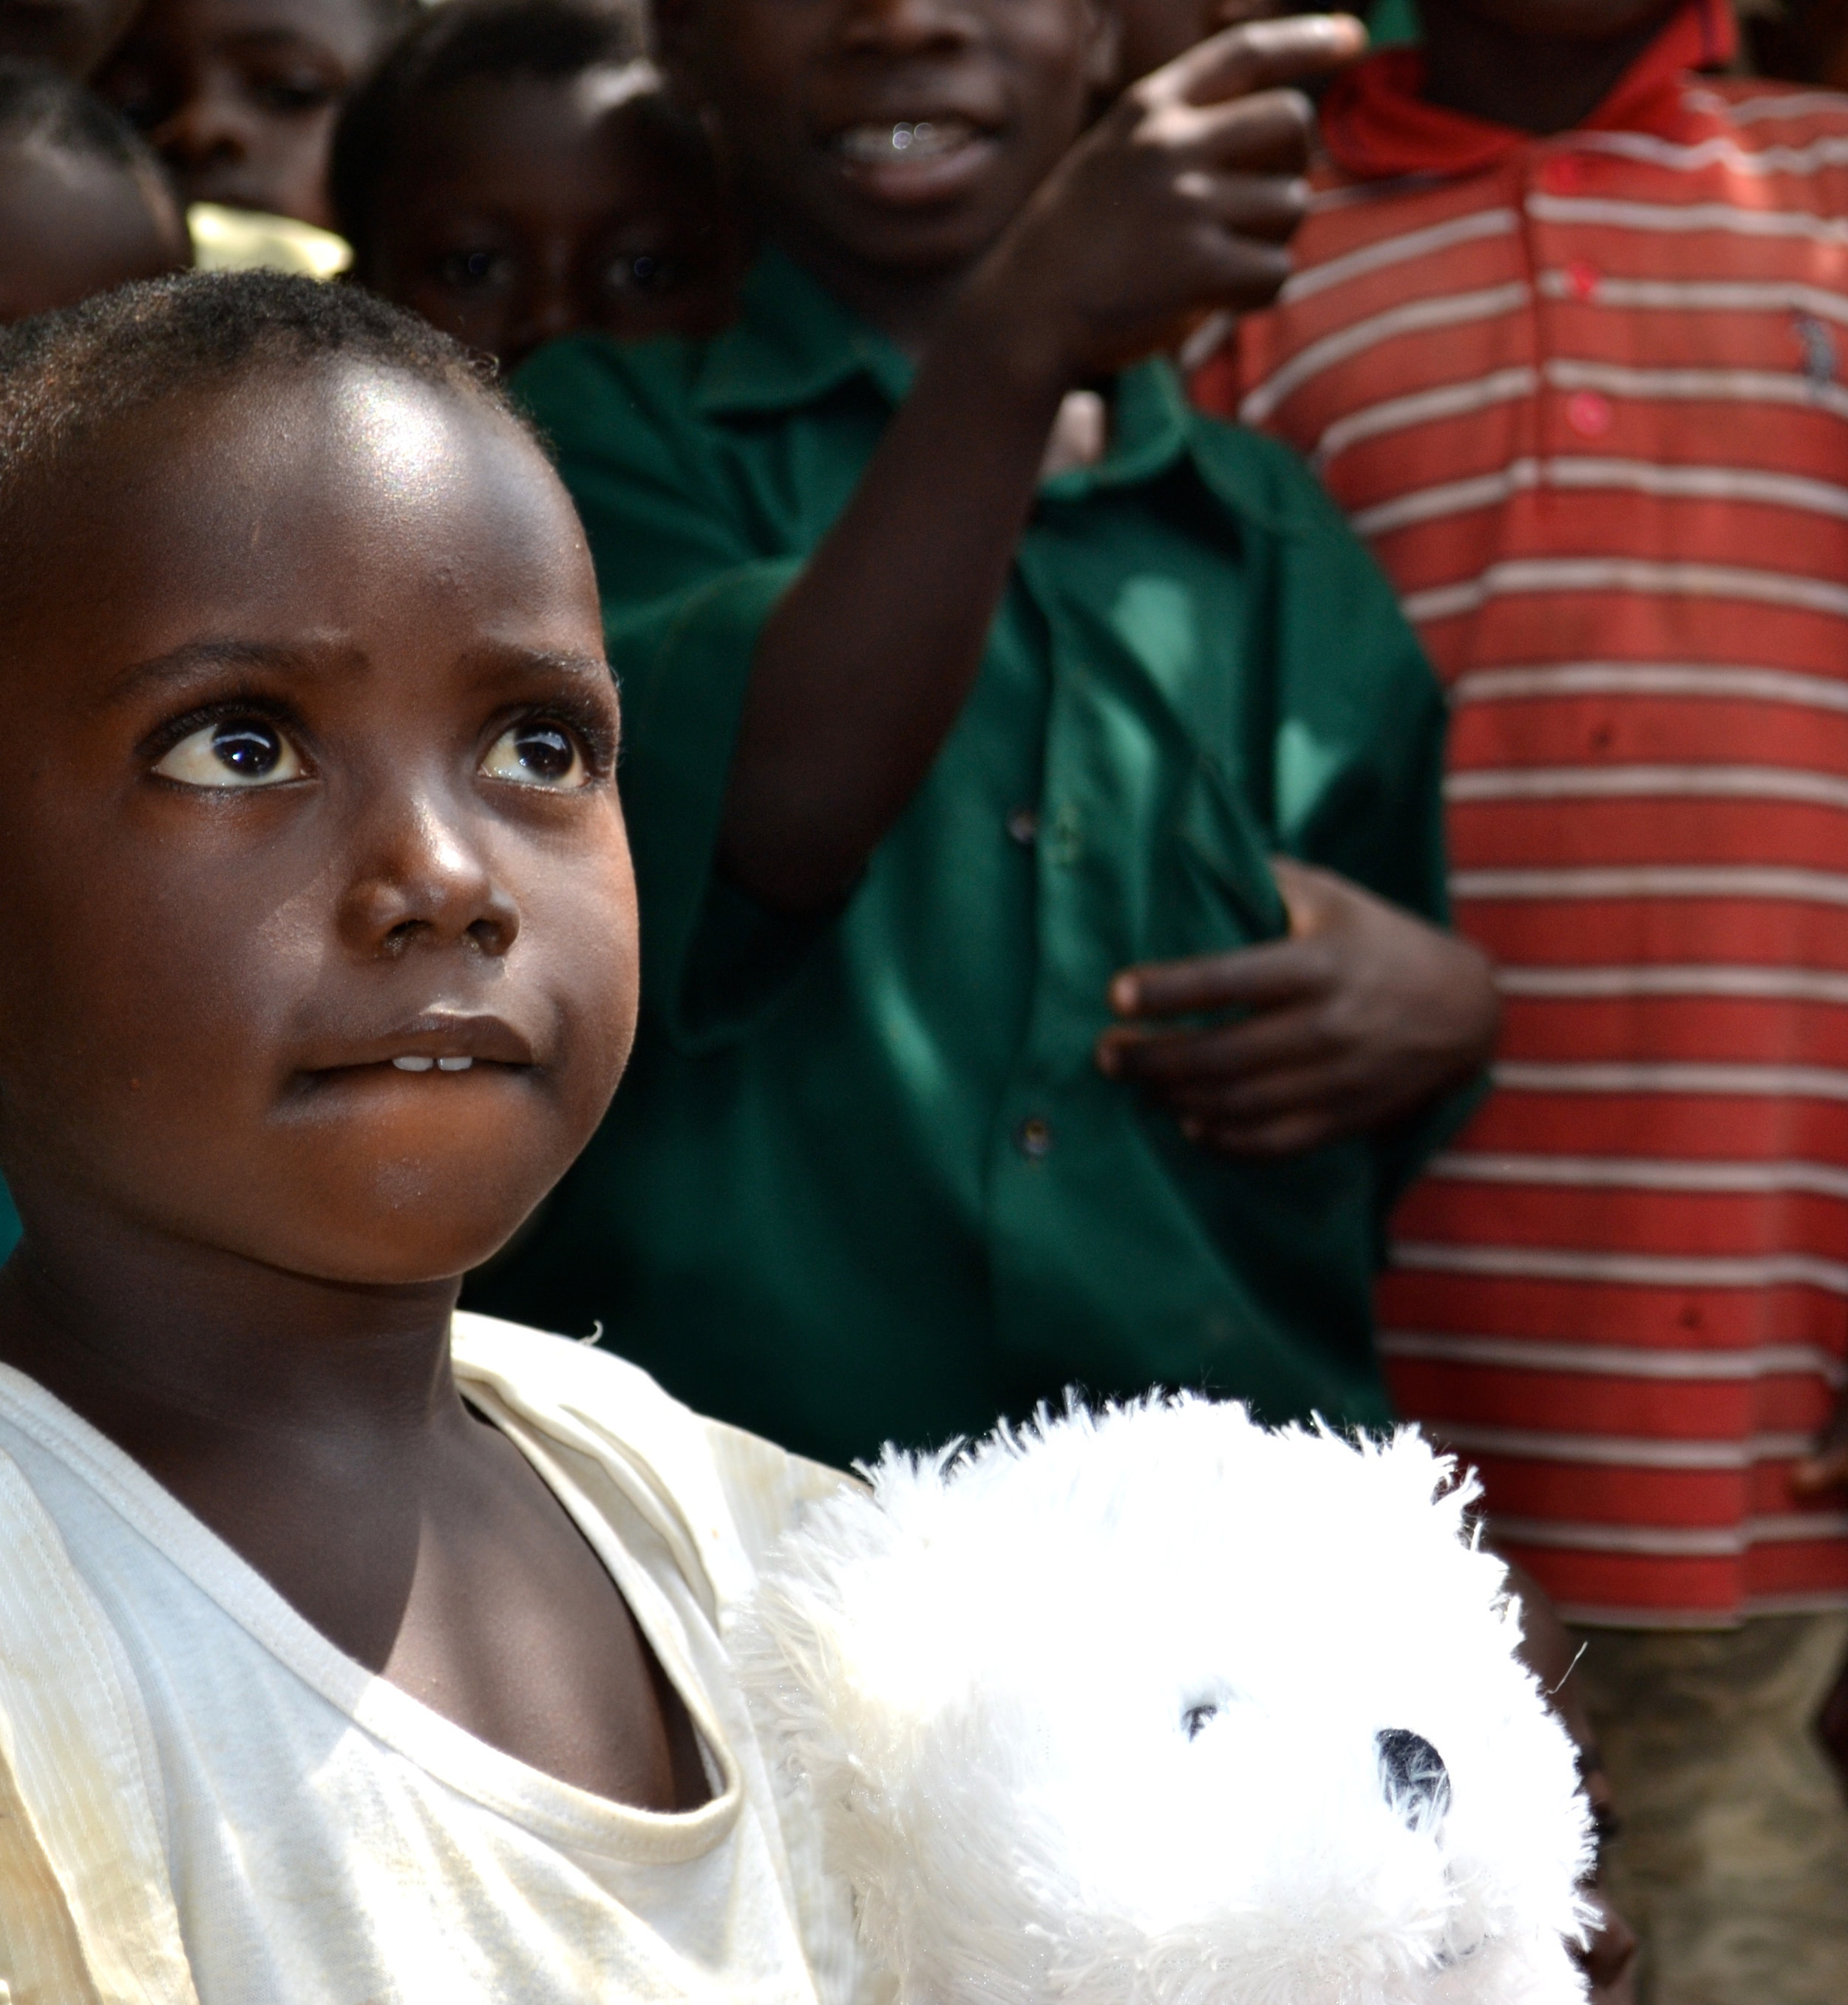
(1023,827)
(1034,1138)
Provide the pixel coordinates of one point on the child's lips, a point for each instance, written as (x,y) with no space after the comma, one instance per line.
(911,159)
(438,1043)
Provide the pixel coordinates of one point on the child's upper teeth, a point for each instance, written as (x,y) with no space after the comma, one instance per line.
(906,140)
(453,1065)
(419,1064)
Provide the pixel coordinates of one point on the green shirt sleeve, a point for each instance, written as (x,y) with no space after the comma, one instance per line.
(685,588)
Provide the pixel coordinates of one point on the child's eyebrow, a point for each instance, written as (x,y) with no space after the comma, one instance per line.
(192,660)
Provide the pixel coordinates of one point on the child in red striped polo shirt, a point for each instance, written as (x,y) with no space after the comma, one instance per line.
(1566,336)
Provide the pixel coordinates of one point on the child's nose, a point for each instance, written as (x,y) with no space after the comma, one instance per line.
(426,884)
(208,127)
(904,27)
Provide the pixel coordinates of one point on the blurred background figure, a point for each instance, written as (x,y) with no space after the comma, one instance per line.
(513,172)
(84,206)
(73,36)
(239,98)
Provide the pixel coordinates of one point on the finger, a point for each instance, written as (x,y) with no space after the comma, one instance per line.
(1268,207)
(1289,1135)
(1828,1470)
(1285,1040)
(1240,274)
(1273,132)
(1257,55)
(1253,977)
(1329,1090)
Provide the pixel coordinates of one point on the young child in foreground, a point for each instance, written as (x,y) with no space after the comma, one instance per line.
(974,684)
(340,1664)
(514,172)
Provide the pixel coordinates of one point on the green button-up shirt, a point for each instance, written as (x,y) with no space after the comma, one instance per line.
(864,1180)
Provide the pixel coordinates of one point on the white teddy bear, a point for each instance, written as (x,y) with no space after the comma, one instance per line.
(1160,1708)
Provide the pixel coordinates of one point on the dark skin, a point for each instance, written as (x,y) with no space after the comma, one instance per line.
(523,208)
(1539,65)
(1020,256)
(71,225)
(323,780)
(73,36)
(239,97)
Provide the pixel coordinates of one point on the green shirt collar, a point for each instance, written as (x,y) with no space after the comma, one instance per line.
(793,342)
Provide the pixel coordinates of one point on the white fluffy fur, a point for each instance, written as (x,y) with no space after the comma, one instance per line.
(981,1671)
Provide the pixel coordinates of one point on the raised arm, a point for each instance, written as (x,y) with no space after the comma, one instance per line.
(1179,199)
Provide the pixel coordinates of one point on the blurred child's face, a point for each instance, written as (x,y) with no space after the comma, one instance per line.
(71,225)
(526,208)
(73,36)
(899,136)
(321,927)
(240,97)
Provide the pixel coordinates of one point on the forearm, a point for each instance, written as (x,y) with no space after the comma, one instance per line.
(863,669)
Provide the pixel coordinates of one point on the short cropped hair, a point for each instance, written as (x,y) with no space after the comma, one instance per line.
(67,378)
(457,43)
(41,106)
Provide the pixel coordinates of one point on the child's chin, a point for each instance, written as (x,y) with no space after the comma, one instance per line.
(408,1232)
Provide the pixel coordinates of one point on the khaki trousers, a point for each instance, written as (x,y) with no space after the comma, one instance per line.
(1732,1862)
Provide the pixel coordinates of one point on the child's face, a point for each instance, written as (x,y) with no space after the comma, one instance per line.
(897,135)
(240,97)
(526,208)
(73,36)
(305,770)
(71,225)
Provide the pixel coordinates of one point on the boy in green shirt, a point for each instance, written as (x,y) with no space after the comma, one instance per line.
(945,745)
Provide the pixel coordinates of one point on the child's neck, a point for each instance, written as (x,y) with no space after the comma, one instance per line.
(906,307)
(111,1315)
(1536,83)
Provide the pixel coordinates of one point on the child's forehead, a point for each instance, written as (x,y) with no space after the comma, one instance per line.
(257,478)
(348,26)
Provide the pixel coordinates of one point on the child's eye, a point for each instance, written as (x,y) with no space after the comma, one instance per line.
(235,751)
(643,273)
(289,94)
(474,269)
(537,754)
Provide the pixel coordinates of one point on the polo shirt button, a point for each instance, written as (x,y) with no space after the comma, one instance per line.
(1034,1138)
(1581,279)
(1588,414)
(1023,827)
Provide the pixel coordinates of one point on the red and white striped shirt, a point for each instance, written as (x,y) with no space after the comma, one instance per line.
(1586,397)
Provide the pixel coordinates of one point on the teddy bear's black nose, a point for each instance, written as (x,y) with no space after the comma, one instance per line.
(1413,1775)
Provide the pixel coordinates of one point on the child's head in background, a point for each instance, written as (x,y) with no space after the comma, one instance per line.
(513,172)
(84,206)
(73,36)
(322,934)
(240,97)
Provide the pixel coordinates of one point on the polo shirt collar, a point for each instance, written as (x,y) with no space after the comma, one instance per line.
(1376,126)
(794,342)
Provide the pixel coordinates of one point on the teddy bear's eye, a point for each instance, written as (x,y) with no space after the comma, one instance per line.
(1196,1716)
